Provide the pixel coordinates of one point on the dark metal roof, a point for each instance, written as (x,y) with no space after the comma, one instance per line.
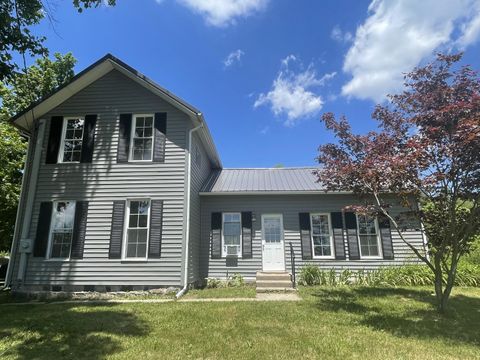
(262,180)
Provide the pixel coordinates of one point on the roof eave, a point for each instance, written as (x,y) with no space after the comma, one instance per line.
(300,192)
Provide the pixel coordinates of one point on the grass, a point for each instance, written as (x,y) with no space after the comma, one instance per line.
(246,291)
(330,323)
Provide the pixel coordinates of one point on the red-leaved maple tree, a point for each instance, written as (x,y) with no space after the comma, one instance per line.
(425,155)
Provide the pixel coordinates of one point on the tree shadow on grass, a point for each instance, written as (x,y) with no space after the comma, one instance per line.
(402,312)
(67,331)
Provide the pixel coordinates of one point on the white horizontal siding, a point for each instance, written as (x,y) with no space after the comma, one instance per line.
(104,181)
(289,206)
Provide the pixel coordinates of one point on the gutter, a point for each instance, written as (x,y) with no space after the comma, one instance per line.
(187,205)
(27,196)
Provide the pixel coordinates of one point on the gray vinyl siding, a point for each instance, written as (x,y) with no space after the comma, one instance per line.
(104,181)
(199,174)
(22,205)
(289,206)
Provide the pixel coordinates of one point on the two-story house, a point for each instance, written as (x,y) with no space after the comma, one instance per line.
(124,189)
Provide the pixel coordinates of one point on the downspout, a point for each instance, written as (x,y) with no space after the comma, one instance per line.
(25,244)
(187,226)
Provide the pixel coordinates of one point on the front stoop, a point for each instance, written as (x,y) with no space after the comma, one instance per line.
(273,281)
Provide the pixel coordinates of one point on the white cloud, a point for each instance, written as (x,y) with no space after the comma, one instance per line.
(292,92)
(233,57)
(265,130)
(338,35)
(398,35)
(224,12)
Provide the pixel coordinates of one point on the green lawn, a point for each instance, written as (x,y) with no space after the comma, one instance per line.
(330,323)
(226,292)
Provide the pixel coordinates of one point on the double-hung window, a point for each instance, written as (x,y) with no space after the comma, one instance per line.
(322,239)
(137,229)
(72,138)
(368,236)
(232,234)
(141,142)
(61,233)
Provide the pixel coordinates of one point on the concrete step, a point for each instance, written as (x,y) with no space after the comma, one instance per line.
(273,283)
(275,289)
(273,276)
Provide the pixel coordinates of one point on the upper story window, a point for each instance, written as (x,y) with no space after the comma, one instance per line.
(368,236)
(71,147)
(322,239)
(141,142)
(232,234)
(61,232)
(136,237)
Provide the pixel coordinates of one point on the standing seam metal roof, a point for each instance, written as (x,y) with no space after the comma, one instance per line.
(262,180)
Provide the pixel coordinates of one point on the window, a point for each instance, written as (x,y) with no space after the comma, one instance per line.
(272,228)
(71,147)
(232,234)
(136,237)
(368,236)
(322,239)
(141,143)
(61,232)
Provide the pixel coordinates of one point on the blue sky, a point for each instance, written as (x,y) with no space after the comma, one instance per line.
(263,71)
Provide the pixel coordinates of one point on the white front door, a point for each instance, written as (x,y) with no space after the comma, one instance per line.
(273,253)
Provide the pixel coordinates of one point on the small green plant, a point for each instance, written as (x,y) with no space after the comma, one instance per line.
(4,254)
(310,275)
(213,283)
(236,280)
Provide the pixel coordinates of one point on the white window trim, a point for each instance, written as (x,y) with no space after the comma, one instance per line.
(224,255)
(125,227)
(379,241)
(50,238)
(330,232)
(61,152)
(132,135)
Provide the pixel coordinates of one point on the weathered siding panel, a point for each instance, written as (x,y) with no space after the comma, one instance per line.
(103,181)
(289,206)
(200,170)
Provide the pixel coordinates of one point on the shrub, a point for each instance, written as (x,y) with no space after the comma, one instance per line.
(235,280)
(473,257)
(213,283)
(312,275)
(404,275)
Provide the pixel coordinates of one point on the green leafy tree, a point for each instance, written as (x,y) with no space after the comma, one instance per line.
(17,16)
(16,95)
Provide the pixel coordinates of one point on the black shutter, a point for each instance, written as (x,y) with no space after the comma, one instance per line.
(338,241)
(79,229)
(160,126)
(155,240)
(385,234)
(247,235)
(88,142)
(216,233)
(54,139)
(352,238)
(305,236)
(125,128)
(116,233)
(43,229)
